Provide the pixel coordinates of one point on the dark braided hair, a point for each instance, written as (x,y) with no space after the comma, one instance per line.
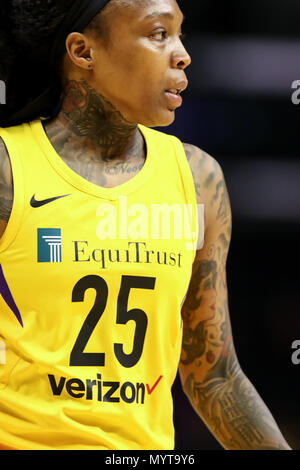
(27,31)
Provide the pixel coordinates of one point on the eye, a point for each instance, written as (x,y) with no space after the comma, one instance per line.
(159,35)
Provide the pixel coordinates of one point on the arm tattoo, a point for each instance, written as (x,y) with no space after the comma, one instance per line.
(234,411)
(222,195)
(209,369)
(216,386)
(196,159)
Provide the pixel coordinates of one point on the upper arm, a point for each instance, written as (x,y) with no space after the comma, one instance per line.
(207,348)
(6,187)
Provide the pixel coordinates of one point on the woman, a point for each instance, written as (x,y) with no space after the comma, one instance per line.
(92,287)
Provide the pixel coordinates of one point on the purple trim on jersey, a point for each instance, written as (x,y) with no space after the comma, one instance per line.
(7,296)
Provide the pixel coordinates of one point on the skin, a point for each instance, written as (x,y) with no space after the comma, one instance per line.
(96,131)
(96,134)
(6,188)
(210,373)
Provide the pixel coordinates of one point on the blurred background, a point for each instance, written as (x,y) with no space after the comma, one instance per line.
(239,109)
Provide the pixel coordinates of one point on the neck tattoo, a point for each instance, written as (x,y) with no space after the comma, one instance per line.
(97,123)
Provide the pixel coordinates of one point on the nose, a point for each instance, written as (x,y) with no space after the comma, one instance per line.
(180,58)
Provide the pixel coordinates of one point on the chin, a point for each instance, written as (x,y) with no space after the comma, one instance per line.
(162,121)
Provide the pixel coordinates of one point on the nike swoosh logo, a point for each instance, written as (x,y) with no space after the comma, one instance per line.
(34,203)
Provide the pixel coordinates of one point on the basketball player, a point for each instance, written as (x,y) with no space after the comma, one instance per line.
(95,327)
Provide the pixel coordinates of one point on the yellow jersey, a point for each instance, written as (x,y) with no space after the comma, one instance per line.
(92,281)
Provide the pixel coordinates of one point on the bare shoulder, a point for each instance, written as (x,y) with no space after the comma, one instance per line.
(6,187)
(210,185)
(205,169)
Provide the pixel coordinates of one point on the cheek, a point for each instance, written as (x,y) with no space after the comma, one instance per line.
(150,98)
(140,73)
(145,76)
(131,88)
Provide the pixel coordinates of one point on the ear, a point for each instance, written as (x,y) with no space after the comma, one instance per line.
(79,50)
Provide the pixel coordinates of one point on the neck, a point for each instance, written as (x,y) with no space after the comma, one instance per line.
(92,123)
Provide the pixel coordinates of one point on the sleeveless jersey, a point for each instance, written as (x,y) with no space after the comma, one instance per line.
(92,281)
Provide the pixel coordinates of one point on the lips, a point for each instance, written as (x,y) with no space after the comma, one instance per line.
(174,100)
(177,87)
(173,92)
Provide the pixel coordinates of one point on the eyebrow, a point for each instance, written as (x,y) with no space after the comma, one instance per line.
(159,14)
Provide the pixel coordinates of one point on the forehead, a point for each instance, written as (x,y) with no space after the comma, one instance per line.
(143,10)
